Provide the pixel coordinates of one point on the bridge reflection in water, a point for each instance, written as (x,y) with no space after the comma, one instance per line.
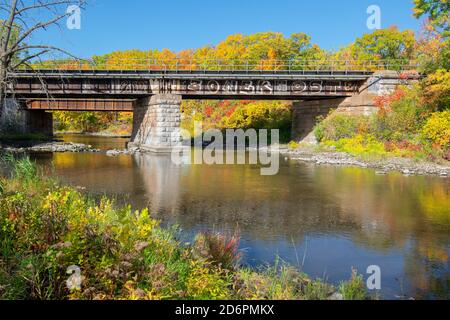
(338,217)
(161,180)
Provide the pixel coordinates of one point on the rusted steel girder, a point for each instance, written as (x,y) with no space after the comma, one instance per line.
(105,88)
(117,105)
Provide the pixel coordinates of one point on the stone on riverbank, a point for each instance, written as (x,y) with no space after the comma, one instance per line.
(51,147)
(117,152)
(405,166)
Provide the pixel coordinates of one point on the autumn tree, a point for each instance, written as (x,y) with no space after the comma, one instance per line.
(437,12)
(434,49)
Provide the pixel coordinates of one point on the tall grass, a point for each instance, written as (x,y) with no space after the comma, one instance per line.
(22,168)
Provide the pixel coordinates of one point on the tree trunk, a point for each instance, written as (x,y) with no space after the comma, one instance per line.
(3,88)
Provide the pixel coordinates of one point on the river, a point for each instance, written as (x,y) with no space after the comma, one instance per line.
(322,219)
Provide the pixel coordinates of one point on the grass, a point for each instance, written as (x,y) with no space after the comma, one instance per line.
(24,169)
(122,254)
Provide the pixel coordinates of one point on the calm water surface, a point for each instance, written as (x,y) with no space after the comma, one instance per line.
(322,219)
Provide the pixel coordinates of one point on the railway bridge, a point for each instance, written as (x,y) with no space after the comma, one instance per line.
(154,94)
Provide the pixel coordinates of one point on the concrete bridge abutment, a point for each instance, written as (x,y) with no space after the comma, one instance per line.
(306,113)
(156,123)
(15,119)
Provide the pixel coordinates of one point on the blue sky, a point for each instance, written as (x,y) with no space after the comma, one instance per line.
(109,25)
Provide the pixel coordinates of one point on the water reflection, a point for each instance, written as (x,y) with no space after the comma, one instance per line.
(332,218)
(161,180)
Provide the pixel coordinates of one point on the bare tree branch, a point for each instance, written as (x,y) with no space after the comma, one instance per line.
(26,59)
(39,25)
(46,5)
(24,19)
(26,47)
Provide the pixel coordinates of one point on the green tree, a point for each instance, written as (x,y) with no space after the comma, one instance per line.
(438,13)
(389,45)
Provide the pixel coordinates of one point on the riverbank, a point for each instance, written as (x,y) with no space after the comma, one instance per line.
(329,156)
(48,229)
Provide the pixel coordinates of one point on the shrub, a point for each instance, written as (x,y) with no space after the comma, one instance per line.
(208,282)
(340,126)
(353,289)
(436,90)
(294,145)
(362,145)
(437,129)
(218,249)
(402,117)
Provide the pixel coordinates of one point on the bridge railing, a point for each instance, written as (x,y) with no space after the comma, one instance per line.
(243,65)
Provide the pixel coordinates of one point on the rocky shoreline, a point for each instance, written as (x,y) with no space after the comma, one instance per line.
(406,166)
(53,146)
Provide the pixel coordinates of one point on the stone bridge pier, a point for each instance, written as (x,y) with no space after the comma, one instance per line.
(156,123)
(15,119)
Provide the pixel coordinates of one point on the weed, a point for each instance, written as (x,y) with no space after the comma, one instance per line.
(353,289)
